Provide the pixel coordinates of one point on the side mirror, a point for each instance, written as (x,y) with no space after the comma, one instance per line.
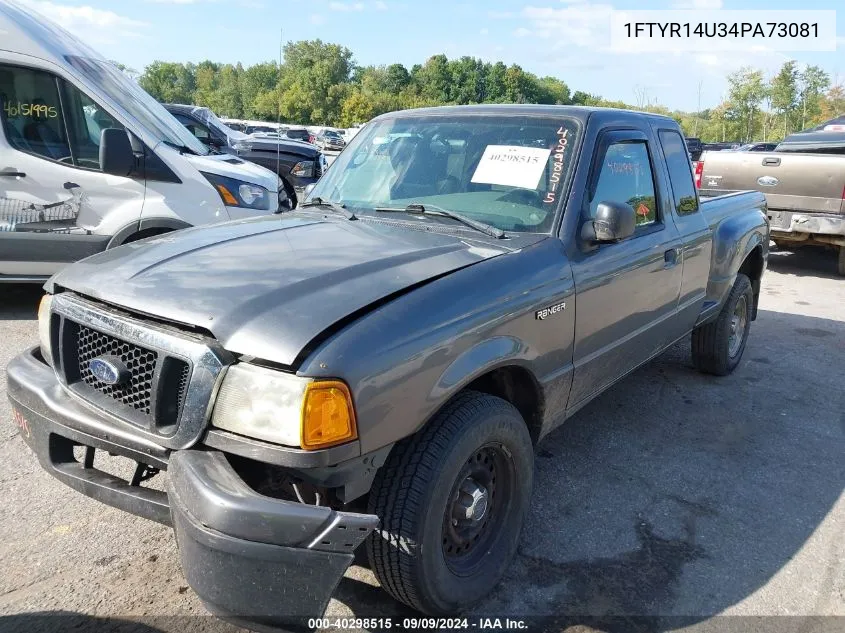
(116,155)
(214,142)
(614,221)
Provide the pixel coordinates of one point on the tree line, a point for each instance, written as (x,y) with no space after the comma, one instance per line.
(319,83)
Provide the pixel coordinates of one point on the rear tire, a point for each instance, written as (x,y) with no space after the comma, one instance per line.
(840,267)
(452,500)
(717,346)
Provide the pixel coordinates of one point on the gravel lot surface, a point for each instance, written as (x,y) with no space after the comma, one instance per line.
(674,494)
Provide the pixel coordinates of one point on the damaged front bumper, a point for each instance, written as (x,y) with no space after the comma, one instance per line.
(250,558)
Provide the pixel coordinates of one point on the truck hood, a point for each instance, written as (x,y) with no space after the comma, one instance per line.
(268,286)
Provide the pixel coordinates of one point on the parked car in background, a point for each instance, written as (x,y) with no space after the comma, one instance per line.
(329,140)
(756,147)
(254,129)
(89,161)
(694,147)
(804,184)
(299,134)
(297,164)
(719,147)
(374,370)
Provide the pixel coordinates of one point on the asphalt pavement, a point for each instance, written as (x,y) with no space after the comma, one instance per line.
(675,497)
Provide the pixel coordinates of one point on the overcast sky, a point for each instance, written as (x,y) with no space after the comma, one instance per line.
(563,38)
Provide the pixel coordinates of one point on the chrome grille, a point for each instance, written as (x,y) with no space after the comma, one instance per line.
(172,375)
(141,362)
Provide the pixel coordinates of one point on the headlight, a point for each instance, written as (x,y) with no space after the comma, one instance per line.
(44,335)
(237,193)
(242,146)
(284,409)
(303,169)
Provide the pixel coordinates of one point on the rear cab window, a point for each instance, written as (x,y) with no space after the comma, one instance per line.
(684,195)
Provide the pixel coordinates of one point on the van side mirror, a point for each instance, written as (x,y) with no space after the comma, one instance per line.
(116,155)
(614,221)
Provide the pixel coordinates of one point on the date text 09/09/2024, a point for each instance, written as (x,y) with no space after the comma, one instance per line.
(722,29)
(415,624)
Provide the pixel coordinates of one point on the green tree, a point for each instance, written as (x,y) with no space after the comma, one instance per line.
(746,89)
(784,92)
(813,81)
(169,82)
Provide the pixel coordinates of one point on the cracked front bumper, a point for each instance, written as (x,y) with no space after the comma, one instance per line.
(250,558)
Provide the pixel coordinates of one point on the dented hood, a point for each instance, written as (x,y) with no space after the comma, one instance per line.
(266,287)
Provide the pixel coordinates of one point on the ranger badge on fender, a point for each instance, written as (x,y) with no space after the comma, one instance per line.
(545,313)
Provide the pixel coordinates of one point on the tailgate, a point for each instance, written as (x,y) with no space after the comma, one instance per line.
(793,182)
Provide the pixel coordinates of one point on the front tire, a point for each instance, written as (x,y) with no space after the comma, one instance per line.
(717,346)
(452,500)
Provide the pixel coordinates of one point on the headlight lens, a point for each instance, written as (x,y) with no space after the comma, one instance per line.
(242,146)
(237,193)
(284,409)
(303,169)
(44,328)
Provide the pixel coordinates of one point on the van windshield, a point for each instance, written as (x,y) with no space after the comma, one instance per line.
(506,171)
(136,102)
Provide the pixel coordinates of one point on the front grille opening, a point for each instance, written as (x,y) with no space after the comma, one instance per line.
(123,468)
(175,375)
(140,361)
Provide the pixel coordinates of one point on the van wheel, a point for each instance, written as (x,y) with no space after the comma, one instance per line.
(840,268)
(717,346)
(452,499)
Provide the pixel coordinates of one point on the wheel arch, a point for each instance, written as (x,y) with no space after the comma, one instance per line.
(147,225)
(499,367)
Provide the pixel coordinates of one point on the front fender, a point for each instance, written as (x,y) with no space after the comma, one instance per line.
(483,357)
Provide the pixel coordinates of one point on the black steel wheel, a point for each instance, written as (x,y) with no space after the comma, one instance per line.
(452,500)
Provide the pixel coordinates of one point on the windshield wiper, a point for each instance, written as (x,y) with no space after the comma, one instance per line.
(183,149)
(328,204)
(434,210)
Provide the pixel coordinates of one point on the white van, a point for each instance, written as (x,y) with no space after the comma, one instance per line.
(88,160)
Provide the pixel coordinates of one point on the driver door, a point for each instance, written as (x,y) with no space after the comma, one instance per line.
(49,149)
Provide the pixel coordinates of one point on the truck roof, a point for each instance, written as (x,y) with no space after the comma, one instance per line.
(518,109)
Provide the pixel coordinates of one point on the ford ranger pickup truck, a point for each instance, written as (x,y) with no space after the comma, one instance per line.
(374,369)
(804,184)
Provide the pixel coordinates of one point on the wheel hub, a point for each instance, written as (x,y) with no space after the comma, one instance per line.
(472,503)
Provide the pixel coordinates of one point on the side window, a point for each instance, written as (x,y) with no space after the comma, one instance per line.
(86,120)
(680,172)
(32,113)
(626,176)
(194,127)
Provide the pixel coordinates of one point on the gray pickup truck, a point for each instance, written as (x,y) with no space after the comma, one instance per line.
(374,369)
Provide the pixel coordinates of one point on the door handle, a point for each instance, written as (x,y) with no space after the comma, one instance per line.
(771,161)
(12,173)
(670,257)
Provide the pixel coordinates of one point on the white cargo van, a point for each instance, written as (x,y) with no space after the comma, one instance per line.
(88,160)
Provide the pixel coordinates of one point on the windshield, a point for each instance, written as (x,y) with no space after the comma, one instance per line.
(506,171)
(148,112)
(212,120)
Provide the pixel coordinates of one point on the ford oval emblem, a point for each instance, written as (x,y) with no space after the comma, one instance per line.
(108,370)
(767,181)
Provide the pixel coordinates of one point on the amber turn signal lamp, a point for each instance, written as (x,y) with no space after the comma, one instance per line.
(227,196)
(328,417)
